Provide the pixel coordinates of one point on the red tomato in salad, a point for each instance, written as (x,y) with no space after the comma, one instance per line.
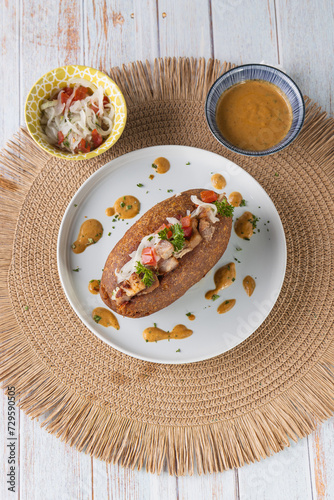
(83,146)
(80,93)
(209,196)
(148,256)
(96,138)
(60,137)
(67,92)
(105,100)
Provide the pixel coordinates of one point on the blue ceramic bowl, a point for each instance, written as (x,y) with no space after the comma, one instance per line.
(256,72)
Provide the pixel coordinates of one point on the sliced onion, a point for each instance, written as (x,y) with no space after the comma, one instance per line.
(210,207)
(48,104)
(84,83)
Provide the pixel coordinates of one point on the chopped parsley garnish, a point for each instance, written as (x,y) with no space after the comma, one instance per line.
(188,314)
(122,204)
(96,318)
(224,208)
(178,350)
(276,174)
(75,205)
(254,221)
(26,308)
(188,163)
(233,279)
(215,297)
(169,190)
(76,270)
(140,185)
(109,234)
(177,238)
(243,203)
(128,207)
(238,249)
(154,166)
(155,325)
(146,275)
(150,238)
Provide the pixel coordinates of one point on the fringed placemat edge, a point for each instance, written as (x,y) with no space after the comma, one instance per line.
(90,428)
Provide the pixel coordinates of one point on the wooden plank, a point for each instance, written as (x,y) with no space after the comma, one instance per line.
(222,486)
(50,468)
(113,481)
(283,476)
(9,69)
(119,32)
(321,445)
(184,28)
(306,37)
(51,36)
(244,31)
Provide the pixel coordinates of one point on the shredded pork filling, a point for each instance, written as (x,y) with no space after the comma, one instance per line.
(167,256)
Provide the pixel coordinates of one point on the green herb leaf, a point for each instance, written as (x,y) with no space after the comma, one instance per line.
(178,350)
(150,238)
(243,203)
(224,208)
(75,205)
(169,190)
(109,234)
(178,239)
(188,314)
(146,275)
(215,297)
(128,207)
(76,270)
(140,185)
(233,279)
(122,204)
(188,163)
(238,249)
(26,308)
(96,318)
(155,325)
(154,166)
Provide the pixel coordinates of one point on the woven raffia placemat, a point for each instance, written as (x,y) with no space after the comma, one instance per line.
(212,415)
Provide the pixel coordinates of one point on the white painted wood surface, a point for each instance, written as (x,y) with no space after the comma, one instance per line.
(38,35)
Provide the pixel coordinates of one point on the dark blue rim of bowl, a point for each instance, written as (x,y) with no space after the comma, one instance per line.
(285,141)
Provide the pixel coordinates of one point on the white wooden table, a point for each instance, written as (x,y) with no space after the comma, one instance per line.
(38,35)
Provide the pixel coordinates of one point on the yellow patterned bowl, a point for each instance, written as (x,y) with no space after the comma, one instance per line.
(58,78)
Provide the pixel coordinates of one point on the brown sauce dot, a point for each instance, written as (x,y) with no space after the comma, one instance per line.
(235,199)
(249,285)
(223,278)
(161,165)
(94,286)
(90,232)
(127,207)
(153,333)
(226,306)
(110,211)
(243,226)
(218,181)
(191,317)
(104,317)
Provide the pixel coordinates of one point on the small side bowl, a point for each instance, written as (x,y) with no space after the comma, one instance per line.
(58,78)
(256,72)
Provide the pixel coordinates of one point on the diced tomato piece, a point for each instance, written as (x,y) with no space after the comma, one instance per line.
(83,146)
(185,221)
(187,231)
(161,228)
(80,93)
(67,92)
(96,138)
(60,137)
(209,196)
(105,100)
(148,256)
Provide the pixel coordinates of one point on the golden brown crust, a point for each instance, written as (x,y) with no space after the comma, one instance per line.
(192,267)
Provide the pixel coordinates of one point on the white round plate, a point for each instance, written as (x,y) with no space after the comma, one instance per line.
(263,257)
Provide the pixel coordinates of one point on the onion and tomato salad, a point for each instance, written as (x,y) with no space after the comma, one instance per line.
(77,118)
